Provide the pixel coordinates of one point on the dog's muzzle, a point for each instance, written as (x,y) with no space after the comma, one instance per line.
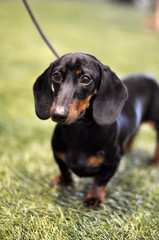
(59,114)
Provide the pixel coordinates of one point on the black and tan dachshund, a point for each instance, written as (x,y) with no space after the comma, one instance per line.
(97,116)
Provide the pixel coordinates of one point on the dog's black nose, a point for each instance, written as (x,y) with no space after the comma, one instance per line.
(59,114)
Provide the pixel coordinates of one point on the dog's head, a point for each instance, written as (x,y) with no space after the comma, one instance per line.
(64,91)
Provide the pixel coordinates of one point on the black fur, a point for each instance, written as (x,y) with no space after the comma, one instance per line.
(97,115)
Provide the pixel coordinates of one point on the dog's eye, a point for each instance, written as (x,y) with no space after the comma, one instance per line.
(56,77)
(85,80)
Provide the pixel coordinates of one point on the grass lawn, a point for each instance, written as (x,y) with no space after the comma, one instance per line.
(29,208)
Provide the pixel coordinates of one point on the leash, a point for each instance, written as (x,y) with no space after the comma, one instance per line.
(39,29)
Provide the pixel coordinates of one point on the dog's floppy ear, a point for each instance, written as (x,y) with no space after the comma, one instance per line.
(110,97)
(43,94)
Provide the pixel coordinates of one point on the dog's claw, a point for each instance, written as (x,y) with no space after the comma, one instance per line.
(95,197)
(94,203)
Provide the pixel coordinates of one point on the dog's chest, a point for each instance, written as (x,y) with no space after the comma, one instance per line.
(87,138)
(86,150)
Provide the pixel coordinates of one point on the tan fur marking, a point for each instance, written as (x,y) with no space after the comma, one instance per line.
(95,91)
(51,109)
(63,70)
(95,161)
(56,180)
(61,156)
(83,104)
(96,193)
(78,72)
(77,107)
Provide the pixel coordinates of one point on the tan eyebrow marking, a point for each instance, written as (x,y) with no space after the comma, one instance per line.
(63,70)
(78,72)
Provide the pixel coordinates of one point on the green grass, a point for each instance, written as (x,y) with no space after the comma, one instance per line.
(29,208)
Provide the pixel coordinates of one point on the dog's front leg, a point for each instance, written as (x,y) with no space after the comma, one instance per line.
(64,177)
(95,197)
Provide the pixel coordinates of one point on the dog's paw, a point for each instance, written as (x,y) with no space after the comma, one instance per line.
(59,180)
(95,197)
(93,202)
(55,181)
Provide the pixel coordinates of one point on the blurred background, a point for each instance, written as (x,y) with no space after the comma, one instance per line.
(120,33)
(123,34)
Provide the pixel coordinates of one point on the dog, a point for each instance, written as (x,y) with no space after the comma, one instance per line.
(97,117)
